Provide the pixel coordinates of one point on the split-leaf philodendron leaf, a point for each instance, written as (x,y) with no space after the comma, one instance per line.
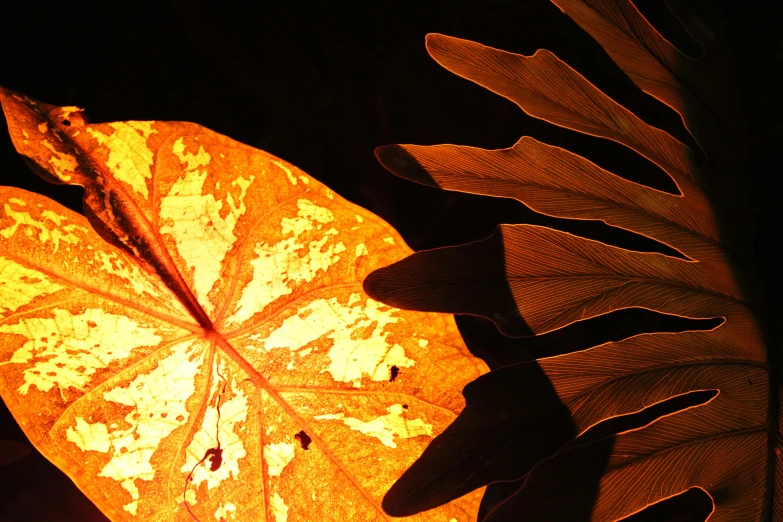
(533,280)
(199,347)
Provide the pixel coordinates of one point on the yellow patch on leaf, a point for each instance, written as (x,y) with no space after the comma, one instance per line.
(211,354)
(19,285)
(184,205)
(129,159)
(47,229)
(68,349)
(158,407)
(386,427)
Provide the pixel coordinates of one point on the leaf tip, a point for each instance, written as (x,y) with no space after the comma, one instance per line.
(395,506)
(437,44)
(373,285)
(399,161)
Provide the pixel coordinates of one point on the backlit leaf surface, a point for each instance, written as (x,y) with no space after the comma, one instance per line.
(533,280)
(200,347)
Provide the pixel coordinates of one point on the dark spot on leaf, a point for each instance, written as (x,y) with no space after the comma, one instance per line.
(92,324)
(404,406)
(66,123)
(750,382)
(394,373)
(304,439)
(180,418)
(215,456)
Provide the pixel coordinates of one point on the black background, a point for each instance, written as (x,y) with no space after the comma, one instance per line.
(321,86)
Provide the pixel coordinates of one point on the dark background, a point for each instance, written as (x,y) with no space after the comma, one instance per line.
(321,86)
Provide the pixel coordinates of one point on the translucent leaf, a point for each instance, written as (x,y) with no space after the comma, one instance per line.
(532,280)
(200,347)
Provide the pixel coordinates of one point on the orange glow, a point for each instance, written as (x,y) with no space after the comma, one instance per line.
(553,279)
(201,347)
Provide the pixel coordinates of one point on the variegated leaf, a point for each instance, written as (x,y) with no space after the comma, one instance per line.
(200,347)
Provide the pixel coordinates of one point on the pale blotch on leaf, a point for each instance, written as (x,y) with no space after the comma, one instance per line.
(159,402)
(225,512)
(361,250)
(129,157)
(277,457)
(20,285)
(279,265)
(225,428)
(61,162)
(89,437)
(193,220)
(287,171)
(357,331)
(64,233)
(200,159)
(386,427)
(81,345)
(308,214)
(278,508)
(69,110)
(112,263)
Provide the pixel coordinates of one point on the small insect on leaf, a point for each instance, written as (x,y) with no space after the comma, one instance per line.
(199,346)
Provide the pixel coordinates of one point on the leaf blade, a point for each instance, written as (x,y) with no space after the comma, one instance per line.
(555,279)
(264,283)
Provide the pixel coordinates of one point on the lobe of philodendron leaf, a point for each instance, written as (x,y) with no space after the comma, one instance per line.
(532,280)
(200,347)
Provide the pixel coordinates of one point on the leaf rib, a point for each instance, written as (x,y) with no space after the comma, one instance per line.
(121,375)
(262,383)
(157,255)
(358,391)
(108,296)
(190,429)
(234,279)
(249,326)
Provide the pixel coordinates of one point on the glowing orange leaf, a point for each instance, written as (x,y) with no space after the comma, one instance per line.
(532,280)
(200,346)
